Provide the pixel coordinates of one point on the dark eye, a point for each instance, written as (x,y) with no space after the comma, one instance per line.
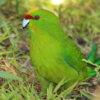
(37,17)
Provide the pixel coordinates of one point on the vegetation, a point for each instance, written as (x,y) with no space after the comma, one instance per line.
(80,21)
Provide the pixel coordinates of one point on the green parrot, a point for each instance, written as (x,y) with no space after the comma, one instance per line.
(53,54)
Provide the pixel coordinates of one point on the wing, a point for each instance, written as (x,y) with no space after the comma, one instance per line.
(73,56)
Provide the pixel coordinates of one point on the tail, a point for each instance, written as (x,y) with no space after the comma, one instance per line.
(94,59)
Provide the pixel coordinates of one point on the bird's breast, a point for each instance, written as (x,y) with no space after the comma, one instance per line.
(44,48)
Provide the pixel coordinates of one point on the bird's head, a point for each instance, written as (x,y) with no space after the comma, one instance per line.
(40,19)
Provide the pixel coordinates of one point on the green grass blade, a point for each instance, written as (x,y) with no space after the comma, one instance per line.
(4,35)
(10,76)
(67,91)
(85,94)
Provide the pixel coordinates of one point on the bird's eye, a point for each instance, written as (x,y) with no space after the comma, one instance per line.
(37,17)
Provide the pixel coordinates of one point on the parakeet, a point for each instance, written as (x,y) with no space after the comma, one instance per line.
(53,55)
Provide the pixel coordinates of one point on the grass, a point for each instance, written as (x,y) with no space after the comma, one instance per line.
(18,82)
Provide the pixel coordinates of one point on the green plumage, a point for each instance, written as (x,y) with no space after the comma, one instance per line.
(53,55)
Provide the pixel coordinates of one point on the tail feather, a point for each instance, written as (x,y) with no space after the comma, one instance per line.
(97,62)
(93,53)
(93,58)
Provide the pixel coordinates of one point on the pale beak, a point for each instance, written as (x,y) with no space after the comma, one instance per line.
(25,22)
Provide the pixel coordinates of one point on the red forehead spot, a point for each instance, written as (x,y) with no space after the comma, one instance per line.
(28,17)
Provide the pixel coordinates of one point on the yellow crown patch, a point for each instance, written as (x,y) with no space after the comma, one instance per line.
(32,11)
